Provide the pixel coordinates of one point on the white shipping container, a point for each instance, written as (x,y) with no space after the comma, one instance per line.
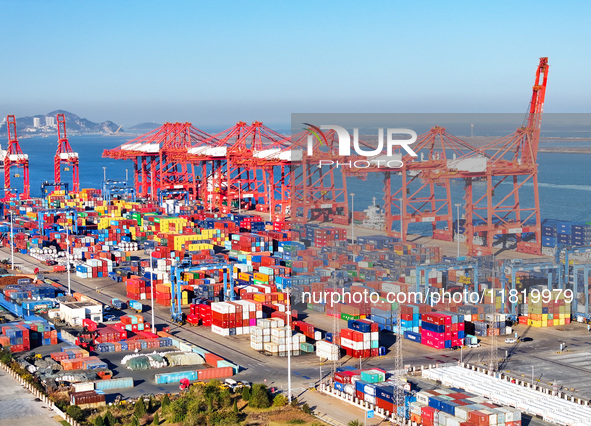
(219,330)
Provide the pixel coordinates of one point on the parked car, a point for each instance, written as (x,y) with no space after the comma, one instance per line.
(510,340)
(474,345)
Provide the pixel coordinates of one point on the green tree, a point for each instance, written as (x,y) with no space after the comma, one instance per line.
(280,400)
(75,412)
(134,421)
(294,402)
(156,420)
(225,398)
(235,406)
(140,408)
(354,423)
(109,419)
(259,396)
(178,410)
(165,401)
(99,421)
(151,404)
(306,408)
(246,394)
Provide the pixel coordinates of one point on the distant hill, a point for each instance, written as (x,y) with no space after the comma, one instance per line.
(75,125)
(143,127)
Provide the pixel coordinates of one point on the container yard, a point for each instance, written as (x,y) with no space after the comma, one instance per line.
(222,260)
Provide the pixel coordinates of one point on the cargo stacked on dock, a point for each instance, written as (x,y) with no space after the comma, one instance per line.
(137,288)
(549,311)
(25,335)
(455,407)
(361,339)
(371,387)
(563,233)
(272,336)
(15,337)
(442,330)
(234,318)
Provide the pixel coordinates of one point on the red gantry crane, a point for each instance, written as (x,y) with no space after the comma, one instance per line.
(152,153)
(15,159)
(514,162)
(65,155)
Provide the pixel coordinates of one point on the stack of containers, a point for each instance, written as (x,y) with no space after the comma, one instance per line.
(272,336)
(200,313)
(548,313)
(360,339)
(163,294)
(442,330)
(250,243)
(455,407)
(327,350)
(557,232)
(326,236)
(40,333)
(15,337)
(137,288)
(234,318)
(133,322)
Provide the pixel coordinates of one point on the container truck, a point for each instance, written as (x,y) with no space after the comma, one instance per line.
(135,306)
(117,304)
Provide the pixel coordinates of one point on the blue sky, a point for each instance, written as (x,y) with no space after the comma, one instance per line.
(215,63)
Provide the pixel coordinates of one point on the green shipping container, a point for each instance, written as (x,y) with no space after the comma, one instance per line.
(373,376)
(307,347)
(348,317)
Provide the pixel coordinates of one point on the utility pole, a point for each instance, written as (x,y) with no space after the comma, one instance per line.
(352,219)
(270,205)
(239,193)
(12,244)
(152,288)
(492,356)
(458,227)
(401,221)
(398,360)
(290,340)
(68,257)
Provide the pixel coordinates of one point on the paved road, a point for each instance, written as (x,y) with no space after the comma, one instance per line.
(306,369)
(20,407)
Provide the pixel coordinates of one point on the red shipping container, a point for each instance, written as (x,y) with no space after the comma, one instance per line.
(478,418)
(385,405)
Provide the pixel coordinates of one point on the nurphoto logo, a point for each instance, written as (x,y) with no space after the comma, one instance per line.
(395,137)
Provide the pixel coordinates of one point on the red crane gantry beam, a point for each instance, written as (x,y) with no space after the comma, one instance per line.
(15,158)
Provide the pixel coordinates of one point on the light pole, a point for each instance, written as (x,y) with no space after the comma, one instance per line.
(290,340)
(532,376)
(152,288)
(352,194)
(239,194)
(401,222)
(11,244)
(458,227)
(270,211)
(68,257)
(152,184)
